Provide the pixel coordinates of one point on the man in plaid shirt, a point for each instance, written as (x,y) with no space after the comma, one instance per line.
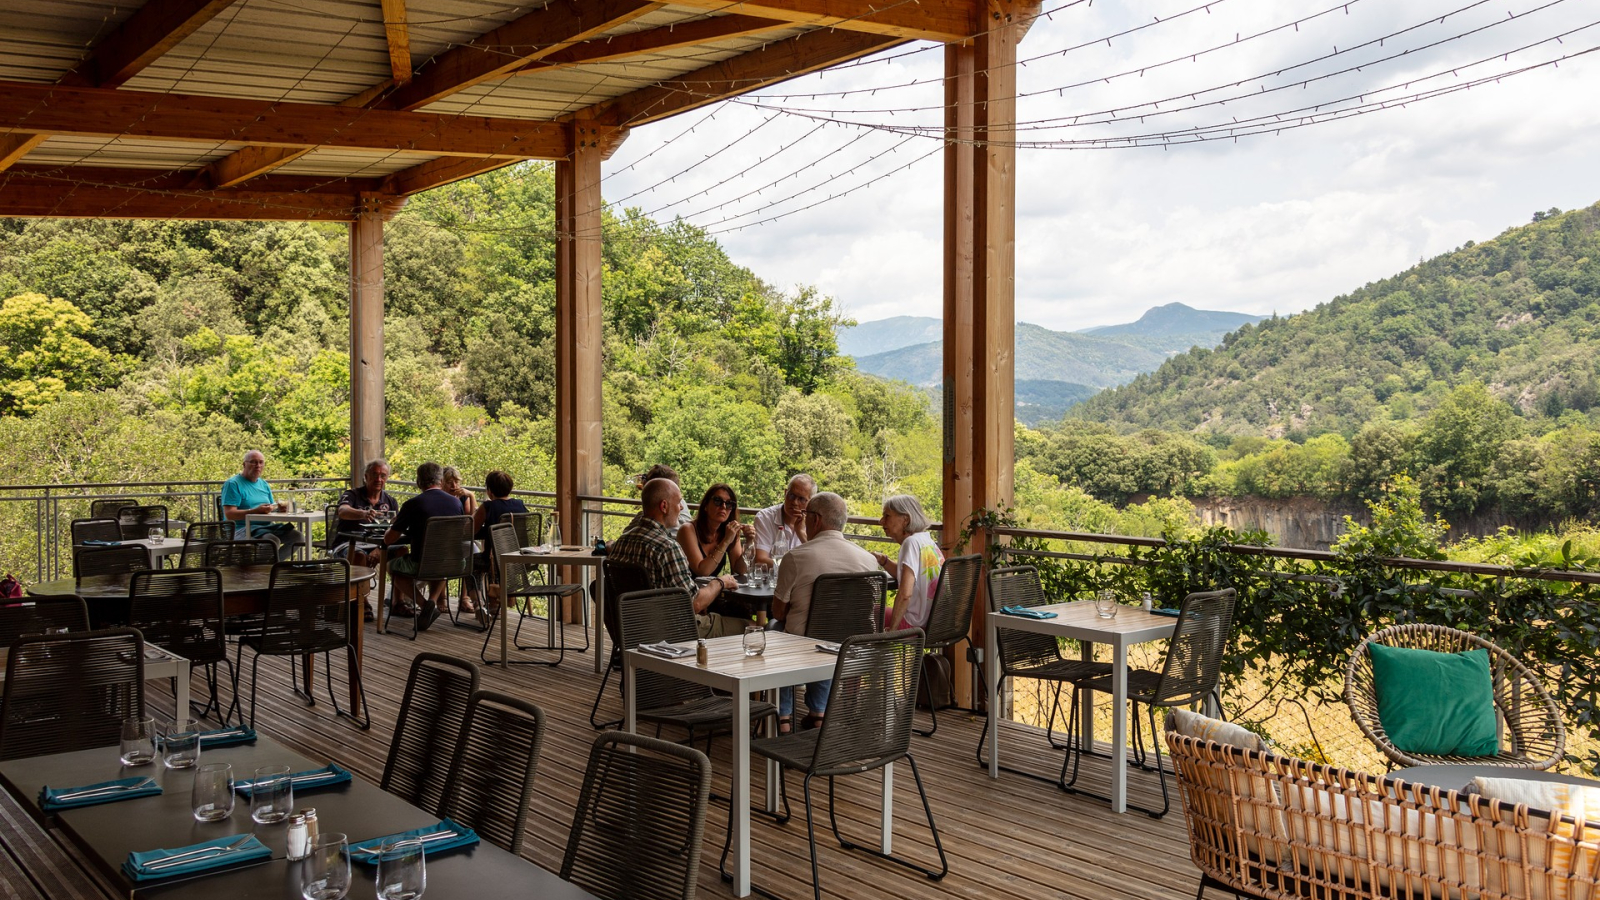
(649,543)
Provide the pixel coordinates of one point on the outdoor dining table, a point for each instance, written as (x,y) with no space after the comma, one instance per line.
(159,663)
(244,592)
(1078,621)
(108,832)
(567,555)
(302,520)
(158,551)
(789,659)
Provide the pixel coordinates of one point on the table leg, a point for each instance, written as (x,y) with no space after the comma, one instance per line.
(181,690)
(991,675)
(601,660)
(1086,708)
(358,603)
(740,792)
(774,773)
(886,812)
(1119,728)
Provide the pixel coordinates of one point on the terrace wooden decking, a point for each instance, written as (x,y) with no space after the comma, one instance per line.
(1010,838)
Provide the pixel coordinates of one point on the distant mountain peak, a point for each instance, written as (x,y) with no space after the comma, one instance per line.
(1177,319)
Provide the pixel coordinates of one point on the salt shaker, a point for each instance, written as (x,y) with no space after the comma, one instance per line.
(299,837)
(1146,602)
(701,655)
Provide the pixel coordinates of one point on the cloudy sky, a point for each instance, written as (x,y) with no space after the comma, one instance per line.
(1276,222)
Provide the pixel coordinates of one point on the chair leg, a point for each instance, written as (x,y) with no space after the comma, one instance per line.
(363,721)
(594,711)
(1161,772)
(833,822)
(811,834)
(1067,783)
(933,708)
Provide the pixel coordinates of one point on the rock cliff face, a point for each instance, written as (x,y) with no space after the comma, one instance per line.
(1304,523)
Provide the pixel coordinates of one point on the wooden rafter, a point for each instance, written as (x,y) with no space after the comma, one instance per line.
(436,172)
(399,36)
(252,162)
(512,46)
(929,20)
(97,192)
(741,74)
(180,117)
(655,40)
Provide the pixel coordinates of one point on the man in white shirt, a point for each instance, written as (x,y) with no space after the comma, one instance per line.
(782,528)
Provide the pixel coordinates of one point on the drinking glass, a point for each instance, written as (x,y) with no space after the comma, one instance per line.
(213,792)
(157,536)
(180,746)
(138,741)
(272,796)
(402,870)
(327,869)
(1105,605)
(761,574)
(755,640)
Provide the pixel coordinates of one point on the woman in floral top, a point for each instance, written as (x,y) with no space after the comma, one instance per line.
(919,564)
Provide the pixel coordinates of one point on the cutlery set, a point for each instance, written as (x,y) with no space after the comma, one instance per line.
(108,789)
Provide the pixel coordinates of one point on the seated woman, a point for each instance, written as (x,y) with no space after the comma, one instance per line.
(490,513)
(714,535)
(452,486)
(918,567)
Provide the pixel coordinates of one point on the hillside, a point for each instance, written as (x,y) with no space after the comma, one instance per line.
(1518,313)
(1042,354)
(1175,327)
(883,335)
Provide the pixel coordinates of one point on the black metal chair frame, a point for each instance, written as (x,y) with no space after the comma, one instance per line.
(47,712)
(621,578)
(108,507)
(42,615)
(95,530)
(492,772)
(200,535)
(136,521)
(124,560)
(516,583)
(436,561)
(180,610)
(436,704)
(252,552)
(1188,675)
(950,616)
(297,624)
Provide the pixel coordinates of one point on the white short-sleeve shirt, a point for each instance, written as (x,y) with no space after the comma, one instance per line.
(773,534)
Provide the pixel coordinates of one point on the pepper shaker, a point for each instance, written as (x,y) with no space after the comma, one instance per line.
(701,655)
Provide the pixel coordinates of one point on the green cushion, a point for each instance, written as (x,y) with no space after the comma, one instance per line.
(1435,704)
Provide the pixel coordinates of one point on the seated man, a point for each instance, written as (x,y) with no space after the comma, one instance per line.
(248,493)
(662,470)
(650,543)
(406,535)
(362,505)
(826,552)
(782,528)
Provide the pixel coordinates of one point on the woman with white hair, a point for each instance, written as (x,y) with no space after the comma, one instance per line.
(919,565)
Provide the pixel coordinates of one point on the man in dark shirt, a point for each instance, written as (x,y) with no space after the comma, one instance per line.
(406,534)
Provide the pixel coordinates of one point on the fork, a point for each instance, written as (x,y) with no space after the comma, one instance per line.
(183,858)
(139,785)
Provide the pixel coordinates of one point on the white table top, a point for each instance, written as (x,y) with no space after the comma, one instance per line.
(1079,621)
(312,516)
(166,548)
(568,554)
(789,659)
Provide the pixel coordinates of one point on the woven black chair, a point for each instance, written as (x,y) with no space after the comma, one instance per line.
(201,535)
(950,618)
(845,605)
(136,521)
(490,788)
(868,726)
(108,507)
(433,714)
(228,554)
(330,529)
(92,562)
(529,527)
(445,555)
(308,612)
(42,615)
(649,617)
(68,692)
(519,589)
(621,578)
(1188,675)
(180,610)
(105,530)
(1024,654)
(640,821)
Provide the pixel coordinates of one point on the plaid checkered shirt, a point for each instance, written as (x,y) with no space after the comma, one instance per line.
(649,545)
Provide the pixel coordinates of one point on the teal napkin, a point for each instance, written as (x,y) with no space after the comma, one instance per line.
(49,797)
(92,543)
(309,780)
(1167,612)
(146,865)
(227,737)
(462,836)
(1026,612)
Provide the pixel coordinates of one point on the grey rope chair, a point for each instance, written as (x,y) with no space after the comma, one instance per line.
(621,578)
(640,820)
(42,615)
(225,554)
(950,618)
(180,610)
(69,692)
(331,537)
(308,611)
(519,587)
(201,535)
(136,521)
(490,788)
(445,555)
(648,617)
(1534,735)
(92,562)
(433,714)
(868,726)
(848,604)
(104,530)
(1023,654)
(108,507)
(1188,676)
(529,527)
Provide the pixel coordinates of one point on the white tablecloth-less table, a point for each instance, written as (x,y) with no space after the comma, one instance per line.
(1080,622)
(158,663)
(159,552)
(789,659)
(302,522)
(570,555)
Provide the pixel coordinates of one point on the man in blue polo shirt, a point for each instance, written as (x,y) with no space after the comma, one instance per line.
(248,493)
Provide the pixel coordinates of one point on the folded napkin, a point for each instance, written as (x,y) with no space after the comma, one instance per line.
(227,737)
(666,649)
(1167,612)
(147,865)
(102,543)
(309,780)
(1026,612)
(434,838)
(90,794)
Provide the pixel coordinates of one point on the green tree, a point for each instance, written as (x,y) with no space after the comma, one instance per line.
(1458,445)
(708,436)
(43,353)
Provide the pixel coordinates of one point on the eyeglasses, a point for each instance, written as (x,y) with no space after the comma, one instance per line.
(723,502)
(792,497)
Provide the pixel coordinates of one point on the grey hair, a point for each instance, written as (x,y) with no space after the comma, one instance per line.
(373,464)
(803,478)
(907,505)
(449,473)
(250,453)
(830,509)
(428,475)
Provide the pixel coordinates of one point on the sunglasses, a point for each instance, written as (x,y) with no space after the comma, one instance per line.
(723,502)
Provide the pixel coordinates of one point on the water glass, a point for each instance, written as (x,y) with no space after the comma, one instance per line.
(272,796)
(157,536)
(213,792)
(180,746)
(138,741)
(760,575)
(327,869)
(1105,605)
(755,640)
(402,870)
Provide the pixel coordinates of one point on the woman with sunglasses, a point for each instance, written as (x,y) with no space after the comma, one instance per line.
(714,536)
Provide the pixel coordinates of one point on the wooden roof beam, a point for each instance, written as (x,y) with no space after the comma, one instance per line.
(436,172)
(513,45)
(930,20)
(741,74)
(655,40)
(179,117)
(91,192)
(399,37)
(252,162)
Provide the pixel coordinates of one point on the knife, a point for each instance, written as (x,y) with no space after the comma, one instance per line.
(109,789)
(182,858)
(298,779)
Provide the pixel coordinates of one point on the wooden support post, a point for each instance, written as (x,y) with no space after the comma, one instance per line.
(366,334)
(578,327)
(980,281)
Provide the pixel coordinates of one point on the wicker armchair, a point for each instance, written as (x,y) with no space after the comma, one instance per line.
(433,714)
(490,789)
(1534,736)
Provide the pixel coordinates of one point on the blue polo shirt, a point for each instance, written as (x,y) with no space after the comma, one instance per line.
(242,493)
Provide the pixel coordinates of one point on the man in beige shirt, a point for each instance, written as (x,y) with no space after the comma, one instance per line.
(826,552)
